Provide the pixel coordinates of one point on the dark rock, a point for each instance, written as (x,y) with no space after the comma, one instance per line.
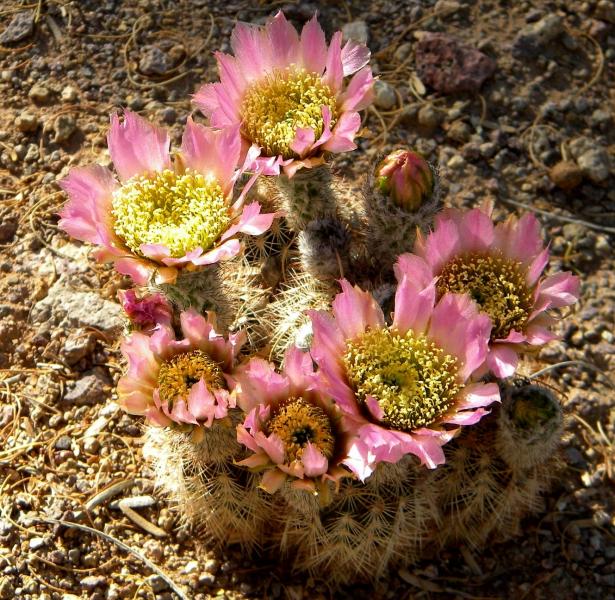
(533,37)
(154,61)
(448,66)
(87,390)
(20,27)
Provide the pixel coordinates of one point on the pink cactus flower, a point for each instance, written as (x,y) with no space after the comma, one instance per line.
(287,92)
(163,215)
(408,387)
(183,382)
(500,267)
(147,311)
(294,430)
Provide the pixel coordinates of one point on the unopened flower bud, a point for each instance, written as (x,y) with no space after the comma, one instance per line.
(145,312)
(406,178)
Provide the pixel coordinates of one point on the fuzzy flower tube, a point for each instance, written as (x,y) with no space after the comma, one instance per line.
(406,387)
(163,215)
(287,91)
(501,268)
(294,430)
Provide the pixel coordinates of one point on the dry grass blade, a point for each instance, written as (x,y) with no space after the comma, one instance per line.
(108,492)
(178,591)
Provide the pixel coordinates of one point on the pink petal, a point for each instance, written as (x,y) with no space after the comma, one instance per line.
(360,91)
(156,417)
(257,382)
(304,138)
(537,335)
(243,437)
(314,461)
(284,41)
(87,215)
(216,103)
(231,76)
(374,408)
(537,267)
(202,403)
(225,251)
(467,417)
(256,461)
(142,362)
(251,222)
(476,231)
(461,331)
(502,360)
(299,369)
(561,289)
(519,239)
(355,311)
(272,480)
(210,151)
(137,147)
(272,445)
(440,245)
(251,49)
(195,327)
(413,306)
(414,268)
(344,133)
(328,343)
(135,402)
(326,132)
(313,47)
(354,56)
(477,395)
(334,70)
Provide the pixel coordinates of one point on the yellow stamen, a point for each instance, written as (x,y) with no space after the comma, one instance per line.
(496,284)
(276,106)
(413,380)
(298,422)
(179,374)
(181,211)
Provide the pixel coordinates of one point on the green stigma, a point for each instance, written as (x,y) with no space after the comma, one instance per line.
(413,380)
(182,211)
(276,106)
(496,284)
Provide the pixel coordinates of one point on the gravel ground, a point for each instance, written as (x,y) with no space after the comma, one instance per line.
(537,135)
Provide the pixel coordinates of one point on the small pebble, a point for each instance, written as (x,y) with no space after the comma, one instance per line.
(385,96)
(566,175)
(69,94)
(27,122)
(39,94)
(356,30)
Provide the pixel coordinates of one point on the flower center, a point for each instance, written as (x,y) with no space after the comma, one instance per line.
(298,422)
(179,374)
(413,380)
(181,211)
(496,284)
(277,105)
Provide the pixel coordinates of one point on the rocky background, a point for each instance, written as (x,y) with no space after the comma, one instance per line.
(513,100)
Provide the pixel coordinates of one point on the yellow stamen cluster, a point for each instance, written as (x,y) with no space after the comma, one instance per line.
(277,105)
(181,211)
(496,284)
(179,374)
(413,380)
(298,422)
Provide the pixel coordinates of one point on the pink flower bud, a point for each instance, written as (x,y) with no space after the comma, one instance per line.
(406,178)
(145,312)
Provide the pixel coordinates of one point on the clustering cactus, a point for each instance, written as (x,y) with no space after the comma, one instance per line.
(369,438)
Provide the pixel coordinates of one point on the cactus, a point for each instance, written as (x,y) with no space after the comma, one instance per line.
(366,529)
(308,195)
(392,222)
(202,482)
(487,486)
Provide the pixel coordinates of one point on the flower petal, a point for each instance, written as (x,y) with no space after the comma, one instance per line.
(313,47)
(137,147)
(355,311)
(314,461)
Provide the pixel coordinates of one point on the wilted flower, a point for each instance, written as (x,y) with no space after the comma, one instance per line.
(179,381)
(405,387)
(294,430)
(147,311)
(163,215)
(406,178)
(287,92)
(500,267)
